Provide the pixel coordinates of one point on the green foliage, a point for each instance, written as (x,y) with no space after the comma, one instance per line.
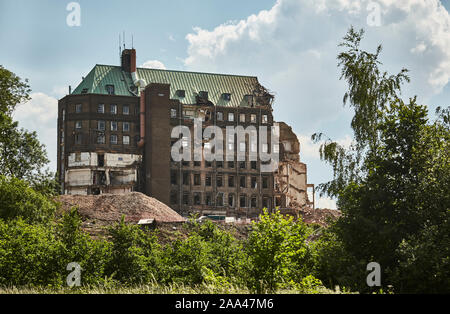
(12,91)
(276,252)
(18,199)
(392,185)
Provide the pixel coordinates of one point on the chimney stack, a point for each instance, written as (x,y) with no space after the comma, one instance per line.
(128,60)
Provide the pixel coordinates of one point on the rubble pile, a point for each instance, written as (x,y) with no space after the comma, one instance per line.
(109,208)
(318,216)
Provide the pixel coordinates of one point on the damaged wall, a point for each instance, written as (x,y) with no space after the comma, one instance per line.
(291,184)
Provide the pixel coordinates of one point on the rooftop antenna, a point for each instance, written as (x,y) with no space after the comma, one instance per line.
(124,40)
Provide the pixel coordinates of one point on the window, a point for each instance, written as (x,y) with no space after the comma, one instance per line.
(254,183)
(208,164)
(78,139)
(219,181)
(203,95)
(113,109)
(219,201)
(253,165)
(186,178)
(253,118)
(226,96)
(197,199)
(242,182)
(101,139)
(126,140)
(173,113)
(101,160)
(78,108)
(219,164)
(276,148)
(265,182)
(254,202)
(266,202)
(126,126)
(231,164)
(101,125)
(231,116)
(126,109)
(113,139)
(78,125)
(248,100)
(231,181)
(242,165)
(231,200)
(242,117)
(181,93)
(173,177)
(208,199)
(101,108)
(197,180)
(113,125)
(219,116)
(186,198)
(110,89)
(208,180)
(77,157)
(173,197)
(264,118)
(243,201)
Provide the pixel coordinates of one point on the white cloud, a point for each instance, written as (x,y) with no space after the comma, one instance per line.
(40,114)
(326,202)
(153,64)
(292,48)
(310,150)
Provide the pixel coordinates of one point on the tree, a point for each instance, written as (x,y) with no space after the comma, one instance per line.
(21,153)
(393,183)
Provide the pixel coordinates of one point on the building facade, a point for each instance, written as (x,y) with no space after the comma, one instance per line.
(115,136)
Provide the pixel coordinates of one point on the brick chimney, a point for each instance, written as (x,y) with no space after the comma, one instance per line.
(129,60)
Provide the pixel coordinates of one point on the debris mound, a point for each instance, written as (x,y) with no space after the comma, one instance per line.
(319,216)
(109,208)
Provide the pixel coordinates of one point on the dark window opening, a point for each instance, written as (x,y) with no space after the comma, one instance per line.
(231,200)
(242,182)
(254,202)
(181,93)
(174,197)
(197,199)
(219,181)
(110,89)
(254,164)
(197,180)
(101,160)
(173,177)
(186,178)
(208,199)
(254,184)
(208,180)
(242,201)
(231,181)
(265,183)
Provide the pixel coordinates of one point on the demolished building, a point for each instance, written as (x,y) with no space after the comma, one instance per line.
(115,136)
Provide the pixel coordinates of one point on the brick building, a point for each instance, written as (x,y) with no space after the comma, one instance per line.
(114,136)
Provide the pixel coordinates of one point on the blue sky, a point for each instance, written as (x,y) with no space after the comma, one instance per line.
(291,45)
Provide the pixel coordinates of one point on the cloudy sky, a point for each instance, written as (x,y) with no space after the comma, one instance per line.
(291,45)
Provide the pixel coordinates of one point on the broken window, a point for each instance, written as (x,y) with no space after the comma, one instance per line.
(231,200)
(197,198)
(110,89)
(249,100)
(113,109)
(219,164)
(242,165)
(253,165)
(254,182)
(243,201)
(186,178)
(231,181)
(78,138)
(265,182)
(101,125)
(219,201)
(113,125)
(173,197)
(113,139)
(231,164)
(226,96)
(173,177)
(101,160)
(254,202)
(101,139)
(197,180)
(242,181)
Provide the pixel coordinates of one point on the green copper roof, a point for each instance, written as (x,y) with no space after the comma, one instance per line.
(191,82)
